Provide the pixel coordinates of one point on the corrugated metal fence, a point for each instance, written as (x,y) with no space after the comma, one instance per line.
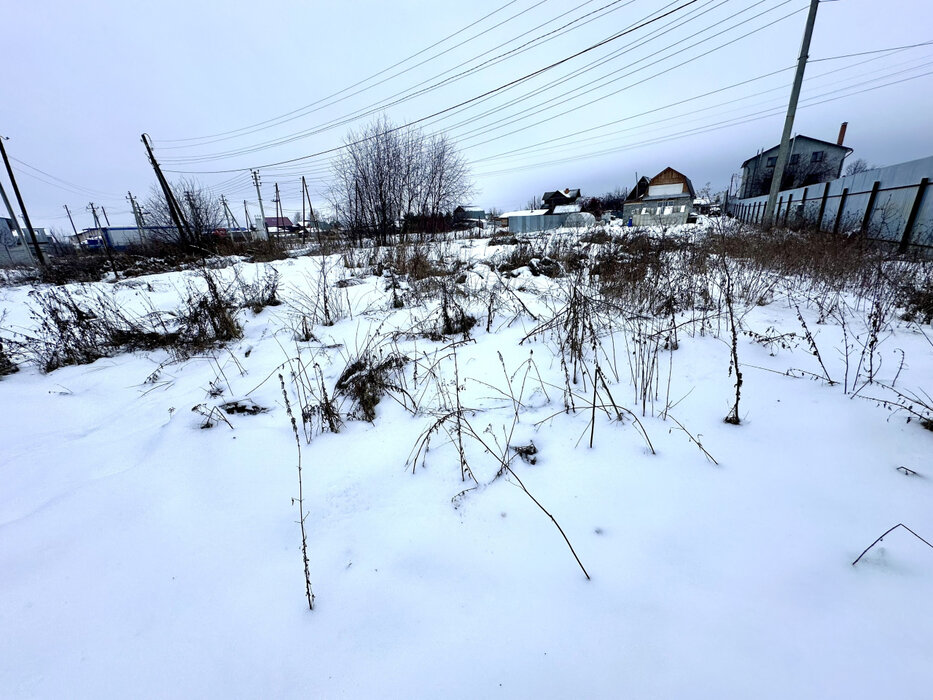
(891,204)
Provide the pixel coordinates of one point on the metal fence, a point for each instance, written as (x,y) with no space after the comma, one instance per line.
(890,204)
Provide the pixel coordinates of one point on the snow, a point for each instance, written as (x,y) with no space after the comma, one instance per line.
(143,556)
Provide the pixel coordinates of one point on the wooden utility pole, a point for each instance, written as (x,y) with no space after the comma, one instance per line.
(262,211)
(22,206)
(106,218)
(103,238)
(782,156)
(73,227)
(174,209)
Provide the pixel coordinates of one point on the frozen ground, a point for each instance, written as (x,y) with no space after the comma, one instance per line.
(144,556)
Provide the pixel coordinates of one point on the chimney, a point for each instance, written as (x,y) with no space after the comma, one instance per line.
(842,133)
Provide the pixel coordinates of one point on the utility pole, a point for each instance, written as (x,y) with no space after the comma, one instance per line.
(19,231)
(304,218)
(782,156)
(106,218)
(73,227)
(174,210)
(246,214)
(137,215)
(262,211)
(22,206)
(278,209)
(228,214)
(103,237)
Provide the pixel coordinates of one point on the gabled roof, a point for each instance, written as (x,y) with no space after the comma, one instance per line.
(641,187)
(567,194)
(671,172)
(828,144)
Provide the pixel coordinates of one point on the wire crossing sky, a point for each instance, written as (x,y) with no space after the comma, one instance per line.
(538,94)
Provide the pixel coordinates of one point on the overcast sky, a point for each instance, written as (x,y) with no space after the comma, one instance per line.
(218,84)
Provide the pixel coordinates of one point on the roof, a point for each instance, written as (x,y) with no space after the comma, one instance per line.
(278,221)
(567,208)
(670,172)
(830,144)
(640,188)
(563,194)
(523,212)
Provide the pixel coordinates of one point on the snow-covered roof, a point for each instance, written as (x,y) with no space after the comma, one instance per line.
(524,212)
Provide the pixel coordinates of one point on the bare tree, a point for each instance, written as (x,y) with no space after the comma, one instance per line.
(201,210)
(388,175)
(859,165)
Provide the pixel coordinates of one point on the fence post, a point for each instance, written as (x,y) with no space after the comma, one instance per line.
(842,204)
(803,207)
(912,217)
(870,207)
(819,217)
(790,200)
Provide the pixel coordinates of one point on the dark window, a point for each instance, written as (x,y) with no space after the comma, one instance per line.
(817,156)
(771,161)
(795,159)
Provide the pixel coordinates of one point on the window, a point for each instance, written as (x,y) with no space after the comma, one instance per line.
(795,159)
(683,208)
(771,162)
(817,156)
(668,211)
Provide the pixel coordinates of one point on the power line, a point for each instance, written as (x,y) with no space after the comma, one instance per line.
(374,75)
(504,86)
(408,93)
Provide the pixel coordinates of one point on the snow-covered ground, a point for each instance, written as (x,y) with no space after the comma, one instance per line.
(144,556)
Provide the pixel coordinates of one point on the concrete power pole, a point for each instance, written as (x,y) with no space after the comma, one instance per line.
(103,237)
(137,216)
(262,211)
(73,227)
(782,156)
(14,222)
(22,207)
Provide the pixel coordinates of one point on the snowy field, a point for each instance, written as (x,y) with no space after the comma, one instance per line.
(145,554)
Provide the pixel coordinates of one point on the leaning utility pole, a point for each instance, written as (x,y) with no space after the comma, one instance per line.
(103,238)
(228,215)
(174,210)
(73,227)
(768,217)
(15,223)
(137,215)
(106,218)
(22,207)
(262,211)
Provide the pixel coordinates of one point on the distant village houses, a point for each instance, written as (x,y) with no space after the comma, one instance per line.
(559,208)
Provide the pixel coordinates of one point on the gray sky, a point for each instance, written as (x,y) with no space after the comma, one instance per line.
(84,80)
